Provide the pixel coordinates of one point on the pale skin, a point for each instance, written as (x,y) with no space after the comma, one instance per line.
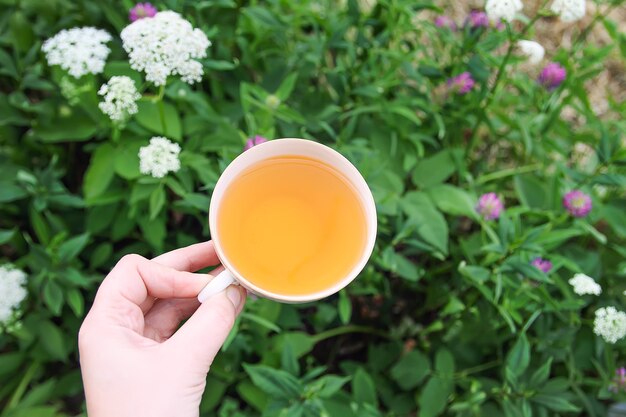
(136,359)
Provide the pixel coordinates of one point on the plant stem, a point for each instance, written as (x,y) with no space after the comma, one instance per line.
(338,331)
(491,94)
(479,368)
(115,134)
(161,106)
(507,173)
(21,388)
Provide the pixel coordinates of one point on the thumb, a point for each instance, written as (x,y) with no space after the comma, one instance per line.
(203,335)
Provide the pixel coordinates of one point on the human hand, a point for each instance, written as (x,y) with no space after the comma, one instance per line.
(135,360)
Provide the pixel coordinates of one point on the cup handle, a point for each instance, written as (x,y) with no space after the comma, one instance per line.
(217,285)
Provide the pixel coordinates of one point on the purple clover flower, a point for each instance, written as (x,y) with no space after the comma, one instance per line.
(257,140)
(541,264)
(552,76)
(462,83)
(445,22)
(142,10)
(577,203)
(477,20)
(489,206)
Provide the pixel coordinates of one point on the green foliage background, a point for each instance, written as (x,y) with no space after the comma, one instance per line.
(447,319)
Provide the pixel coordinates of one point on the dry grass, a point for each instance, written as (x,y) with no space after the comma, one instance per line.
(554,34)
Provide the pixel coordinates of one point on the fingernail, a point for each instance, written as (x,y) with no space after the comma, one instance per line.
(234,295)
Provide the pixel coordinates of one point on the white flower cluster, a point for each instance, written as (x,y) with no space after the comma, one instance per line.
(12,292)
(165,45)
(533,51)
(610,324)
(569,10)
(79,51)
(503,9)
(159,158)
(584,284)
(120,98)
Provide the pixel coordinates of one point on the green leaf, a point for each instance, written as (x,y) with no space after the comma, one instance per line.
(329,385)
(39,224)
(541,374)
(76,302)
(363,388)
(53,297)
(127,159)
(411,370)
(556,386)
(10,362)
(213,394)
(71,248)
(100,171)
(433,398)
(286,87)
(100,255)
(22,31)
(11,192)
(37,411)
(345,307)
(52,340)
(113,68)
(253,395)
(531,191)
(76,127)
(154,231)
(554,238)
(149,117)
(452,200)
(475,273)
(141,192)
(435,169)
(7,65)
(555,403)
(219,65)
(444,363)
(595,233)
(430,224)
(289,362)
(519,356)
(300,342)
(526,269)
(198,201)
(157,201)
(399,264)
(6,235)
(263,16)
(278,384)
(261,321)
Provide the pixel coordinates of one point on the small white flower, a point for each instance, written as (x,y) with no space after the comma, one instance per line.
(533,50)
(584,284)
(12,292)
(159,157)
(569,10)
(272,101)
(79,51)
(120,98)
(165,45)
(610,324)
(503,9)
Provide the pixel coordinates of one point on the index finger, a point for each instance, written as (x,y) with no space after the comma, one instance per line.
(191,258)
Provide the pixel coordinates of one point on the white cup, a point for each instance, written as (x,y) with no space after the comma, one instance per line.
(272,149)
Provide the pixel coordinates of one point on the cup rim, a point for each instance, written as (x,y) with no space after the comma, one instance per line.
(365,194)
